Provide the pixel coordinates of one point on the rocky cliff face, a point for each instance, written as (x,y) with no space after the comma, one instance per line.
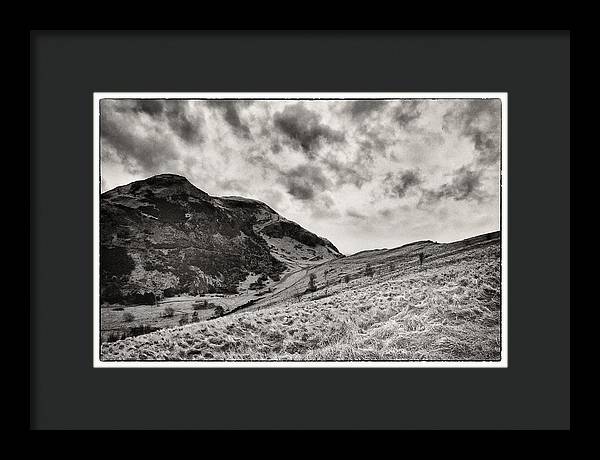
(162,236)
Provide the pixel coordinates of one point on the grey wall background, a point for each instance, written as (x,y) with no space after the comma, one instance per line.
(67,393)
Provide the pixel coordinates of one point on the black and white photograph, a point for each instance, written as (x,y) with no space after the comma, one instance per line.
(362,230)
(300,229)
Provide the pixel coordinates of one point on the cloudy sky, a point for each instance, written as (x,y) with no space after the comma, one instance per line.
(363,173)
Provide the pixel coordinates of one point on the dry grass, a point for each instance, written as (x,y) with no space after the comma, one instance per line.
(449,310)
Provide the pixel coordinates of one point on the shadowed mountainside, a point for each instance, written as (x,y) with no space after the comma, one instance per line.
(162,236)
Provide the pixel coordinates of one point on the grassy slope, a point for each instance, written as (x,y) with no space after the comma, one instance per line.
(447,310)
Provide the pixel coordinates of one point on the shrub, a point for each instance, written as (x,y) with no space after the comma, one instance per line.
(184,320)
(369,270)
(230,290)
(114,336)
(140,330)
(170,292)
(218,311)
(347,279)
(110,293)
(202,305)
(259,283)
(169,312)
(128,317)
(136,298)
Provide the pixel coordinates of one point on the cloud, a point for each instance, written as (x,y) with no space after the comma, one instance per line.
(399,184)
(354,214)
(466,184)
(385,213)
(479,121)
(151,107)
(361,109)
(304,181)
(231,115)
(184,124)
(140,150)
(323,207)
(149,136)
(177,115)
(304,128)
(407,112)
(348,172)
(233,184)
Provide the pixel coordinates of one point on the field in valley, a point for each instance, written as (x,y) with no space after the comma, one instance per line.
(375,305)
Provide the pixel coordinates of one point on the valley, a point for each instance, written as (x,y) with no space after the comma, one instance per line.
(371,306)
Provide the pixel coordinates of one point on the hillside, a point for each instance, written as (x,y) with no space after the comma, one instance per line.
(374,305)
(163,237)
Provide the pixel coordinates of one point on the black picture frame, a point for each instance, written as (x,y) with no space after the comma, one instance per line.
(66,68)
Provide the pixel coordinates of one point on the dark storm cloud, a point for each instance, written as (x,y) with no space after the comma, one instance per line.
(361,109)
(304,128)
(151,107)
(231,115)
(175,112)
(479,120)
(145,154)
(186,127)
(407,112)
(304,182)
(398,185)
(143,146)
(465,185)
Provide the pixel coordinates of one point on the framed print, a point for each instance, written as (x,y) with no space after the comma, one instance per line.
(300,230)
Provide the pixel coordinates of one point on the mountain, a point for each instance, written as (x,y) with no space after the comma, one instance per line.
(162,236)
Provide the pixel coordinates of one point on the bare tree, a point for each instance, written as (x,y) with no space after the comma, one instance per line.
(312,282)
